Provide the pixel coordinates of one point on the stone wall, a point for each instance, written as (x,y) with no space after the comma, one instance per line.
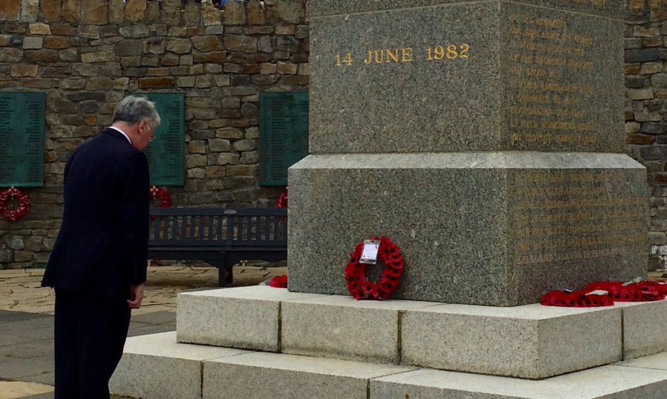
(86,54)
(646,109)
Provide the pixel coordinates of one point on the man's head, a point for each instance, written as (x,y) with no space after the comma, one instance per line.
(137,117)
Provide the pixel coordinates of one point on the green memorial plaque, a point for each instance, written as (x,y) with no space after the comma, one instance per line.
(22,139)
(166,154)
(283,138)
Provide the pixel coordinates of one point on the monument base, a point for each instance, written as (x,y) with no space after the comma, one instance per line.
(345,341)
(483,228)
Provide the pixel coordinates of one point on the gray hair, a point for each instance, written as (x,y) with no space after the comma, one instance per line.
(133,110)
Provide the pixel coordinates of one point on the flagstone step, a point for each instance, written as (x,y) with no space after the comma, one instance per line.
(157,367)
(529,341)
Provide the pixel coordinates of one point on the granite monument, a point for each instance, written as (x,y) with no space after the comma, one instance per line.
(484,138)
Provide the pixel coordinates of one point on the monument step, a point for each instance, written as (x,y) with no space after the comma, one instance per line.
(528,341)
(157,367)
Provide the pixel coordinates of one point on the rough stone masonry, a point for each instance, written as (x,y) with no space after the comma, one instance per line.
(85,54)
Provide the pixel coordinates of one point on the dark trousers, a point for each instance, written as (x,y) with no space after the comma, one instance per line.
(89,334)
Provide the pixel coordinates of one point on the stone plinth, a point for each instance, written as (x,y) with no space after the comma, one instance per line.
(531,341)
(528,341)
(492,228)
(271,375)
(156,367)
(342,327)
(245,317)
(608,382)
(644,328)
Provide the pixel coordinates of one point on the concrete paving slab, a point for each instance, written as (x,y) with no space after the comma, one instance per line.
(47,378)
(18,389)
(26,321)
(20,289)
(47,396)
(10,316)
(35,349)
(43,396)
(18,369)
(145,329)
(160,317)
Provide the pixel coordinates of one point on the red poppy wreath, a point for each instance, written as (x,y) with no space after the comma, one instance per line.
(281,202)
(355,272)
(22,204)
(161,195)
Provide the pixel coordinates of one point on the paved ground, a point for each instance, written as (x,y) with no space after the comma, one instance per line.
(26,321)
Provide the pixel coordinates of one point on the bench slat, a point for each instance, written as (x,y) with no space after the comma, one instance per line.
(242,227)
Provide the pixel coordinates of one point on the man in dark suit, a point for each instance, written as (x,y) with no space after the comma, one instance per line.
(98,263)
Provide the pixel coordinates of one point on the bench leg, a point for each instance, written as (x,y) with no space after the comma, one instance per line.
(225,274)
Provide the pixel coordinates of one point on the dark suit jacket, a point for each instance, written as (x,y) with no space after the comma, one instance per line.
(103,241)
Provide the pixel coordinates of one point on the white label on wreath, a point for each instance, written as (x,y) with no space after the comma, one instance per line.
(370,252)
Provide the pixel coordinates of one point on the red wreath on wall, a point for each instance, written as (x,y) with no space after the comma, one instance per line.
(281,202)
(161,195)
(355,272)
(22,204)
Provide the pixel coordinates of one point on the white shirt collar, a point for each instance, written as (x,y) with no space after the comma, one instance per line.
(121,132)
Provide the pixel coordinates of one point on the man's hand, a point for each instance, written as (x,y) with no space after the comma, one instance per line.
(136,296)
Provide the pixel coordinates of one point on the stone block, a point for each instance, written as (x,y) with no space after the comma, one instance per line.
(39,29)
(179,46)
(278,376)
(29,10)
(342,327)
(98,57)
(192,14)
(70,10)
(207,43)
(247,44)
(531,341)
(211,16)
(608,382)
(495,229)
(95,11)
(644,328)
(518,78)
(10,10)
(246,317)
(24,70)
(50,9)
(10,55)
(33,43)
(151,364)
(291,11)
(156,83)
(256,13)
(234,13)
(135,10)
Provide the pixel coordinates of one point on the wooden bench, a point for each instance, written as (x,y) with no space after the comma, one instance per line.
(220,237)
